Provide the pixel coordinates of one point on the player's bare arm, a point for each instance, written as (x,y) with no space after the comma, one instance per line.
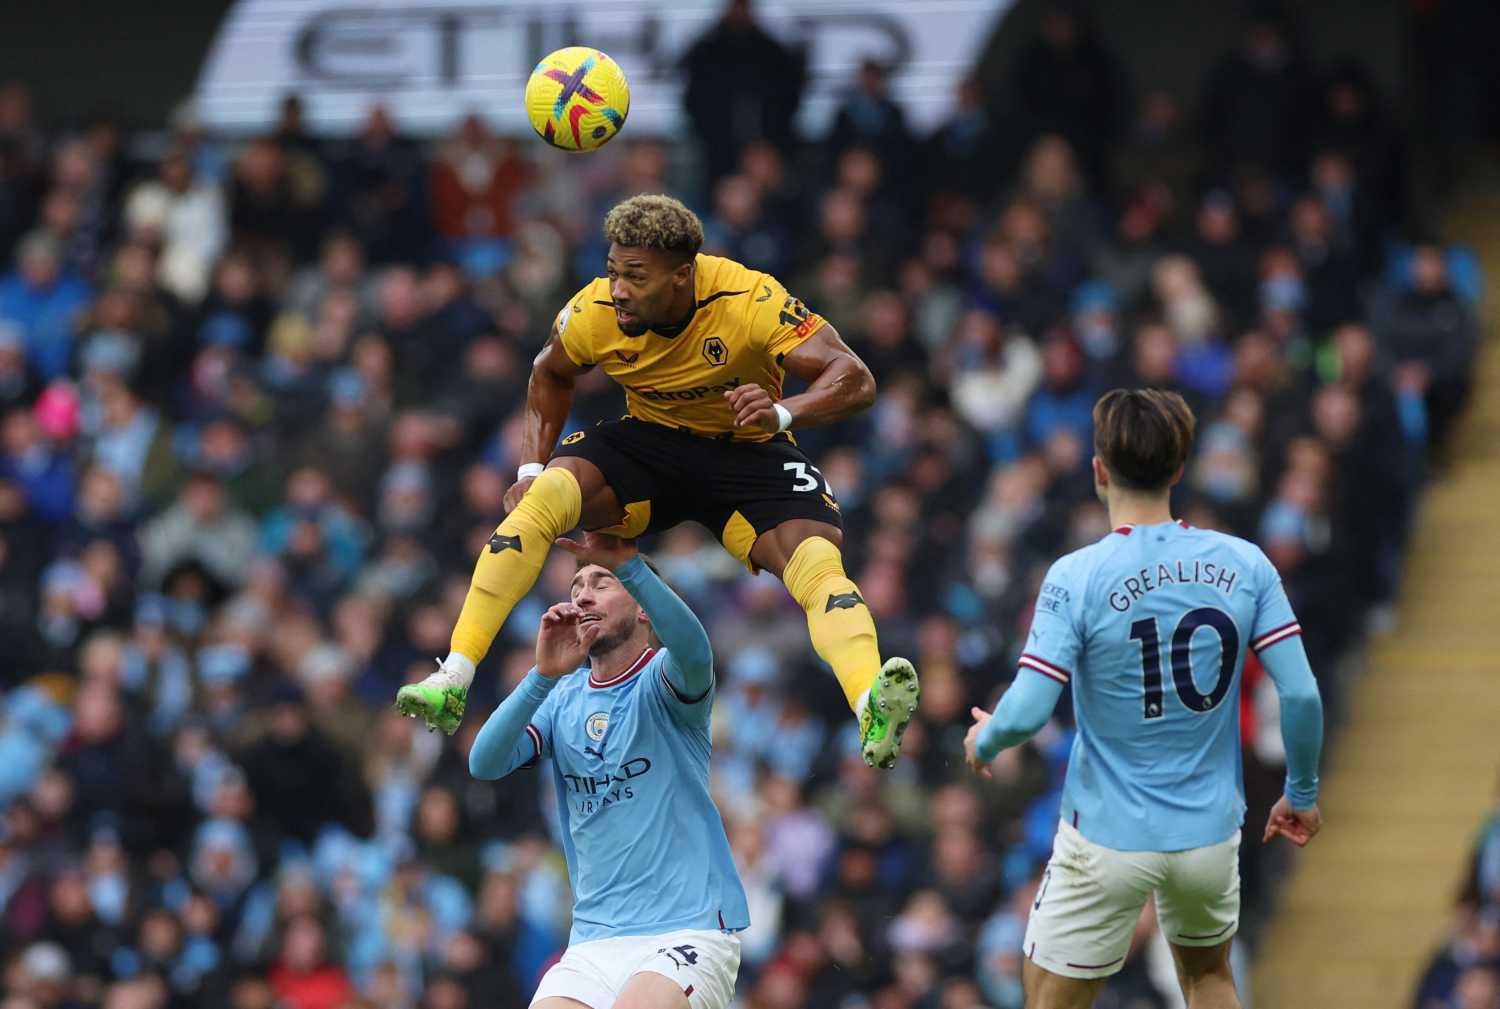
(549,396)
(840,385)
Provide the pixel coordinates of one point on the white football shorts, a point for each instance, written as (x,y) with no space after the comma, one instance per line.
(704,963)
(1091,897)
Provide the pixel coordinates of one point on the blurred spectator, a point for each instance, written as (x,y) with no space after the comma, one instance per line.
(475,180)
(742,85)
(869,117)
(1159,150)
(270,216)
(962,153)
(1431,334)
(18,382)
(44,301)
(200,526)
(293,801)
(303,976)
(45,474)
(185,216)
(1069,84)
(379,193)
(740,229)
(1255,109)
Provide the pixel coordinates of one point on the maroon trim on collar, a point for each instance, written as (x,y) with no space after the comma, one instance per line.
(619,678)
(1125,530)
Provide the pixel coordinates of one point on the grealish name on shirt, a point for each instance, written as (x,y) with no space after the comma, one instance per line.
(1176,573)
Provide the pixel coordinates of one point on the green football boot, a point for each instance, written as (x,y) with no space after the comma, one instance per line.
(438,700)
(886,711)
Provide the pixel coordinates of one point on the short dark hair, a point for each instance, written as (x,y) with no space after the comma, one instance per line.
(1143,435)
(580,564)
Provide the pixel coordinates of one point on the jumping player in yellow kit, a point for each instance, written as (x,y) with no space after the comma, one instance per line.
(701,345)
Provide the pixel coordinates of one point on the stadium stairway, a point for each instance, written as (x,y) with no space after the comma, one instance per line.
(1412,772)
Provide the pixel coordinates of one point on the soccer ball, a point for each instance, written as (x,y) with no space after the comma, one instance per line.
(577,98)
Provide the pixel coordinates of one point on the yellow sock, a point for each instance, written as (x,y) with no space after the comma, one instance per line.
(511,563)
(838,621)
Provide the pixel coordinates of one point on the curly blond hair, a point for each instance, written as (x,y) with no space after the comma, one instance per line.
(654,222)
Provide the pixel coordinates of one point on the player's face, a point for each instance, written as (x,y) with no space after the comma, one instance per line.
(646,286)
(603,600)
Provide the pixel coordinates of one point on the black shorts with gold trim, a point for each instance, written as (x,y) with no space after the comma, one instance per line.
(737,489)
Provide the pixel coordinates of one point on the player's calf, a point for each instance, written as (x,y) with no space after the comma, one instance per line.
(883,698)
(1046,990)
(1206,976)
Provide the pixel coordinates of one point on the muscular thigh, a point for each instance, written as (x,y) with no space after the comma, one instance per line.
(762,498)
(1086,908)
(628,474)
(649,990)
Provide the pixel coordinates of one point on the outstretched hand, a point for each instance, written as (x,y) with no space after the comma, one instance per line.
(971,743)
(562,643)
(1296,825)
(599,548)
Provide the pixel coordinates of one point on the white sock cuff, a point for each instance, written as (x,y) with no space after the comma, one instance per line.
(462,666)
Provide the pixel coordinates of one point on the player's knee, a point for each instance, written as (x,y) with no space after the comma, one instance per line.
(813,561)
(590,478)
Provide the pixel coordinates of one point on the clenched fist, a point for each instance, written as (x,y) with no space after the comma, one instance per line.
(753,407)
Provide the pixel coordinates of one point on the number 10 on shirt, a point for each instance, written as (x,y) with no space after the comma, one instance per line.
(1153,695)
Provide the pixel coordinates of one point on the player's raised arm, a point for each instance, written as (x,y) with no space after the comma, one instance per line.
(839,385)
(690,659)
(509,739)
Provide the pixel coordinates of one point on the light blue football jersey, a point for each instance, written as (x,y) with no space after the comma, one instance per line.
(644,842)
(1150,626)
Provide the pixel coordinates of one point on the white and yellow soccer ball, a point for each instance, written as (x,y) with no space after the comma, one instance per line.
(577,98)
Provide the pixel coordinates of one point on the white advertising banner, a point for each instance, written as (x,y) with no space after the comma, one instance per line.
(430,63)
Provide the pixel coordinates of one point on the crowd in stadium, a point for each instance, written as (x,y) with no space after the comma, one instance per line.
(1465,972)
(258,411)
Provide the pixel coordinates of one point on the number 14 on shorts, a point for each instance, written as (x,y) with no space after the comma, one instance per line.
(682,956)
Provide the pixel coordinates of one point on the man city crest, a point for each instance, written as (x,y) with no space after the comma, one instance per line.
(596,724)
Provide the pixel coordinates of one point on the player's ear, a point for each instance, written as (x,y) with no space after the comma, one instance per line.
(1101,473)
(640,616)
(1176,477)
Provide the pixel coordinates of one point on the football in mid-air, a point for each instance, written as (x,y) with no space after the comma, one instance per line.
(577,98)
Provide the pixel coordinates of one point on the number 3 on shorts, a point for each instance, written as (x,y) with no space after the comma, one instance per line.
(808,477)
